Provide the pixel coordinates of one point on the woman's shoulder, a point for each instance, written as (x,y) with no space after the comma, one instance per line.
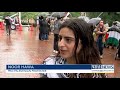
(49,60)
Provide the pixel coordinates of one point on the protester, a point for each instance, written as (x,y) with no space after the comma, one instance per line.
(100,32)
(76,46)
(43,29)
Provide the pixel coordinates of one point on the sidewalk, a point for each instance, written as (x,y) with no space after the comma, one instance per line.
(22,47)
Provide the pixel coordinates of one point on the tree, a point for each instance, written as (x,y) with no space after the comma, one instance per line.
(7,13)
(108,17)
(75,14)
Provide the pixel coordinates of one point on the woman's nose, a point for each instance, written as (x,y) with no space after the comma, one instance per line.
(61,43)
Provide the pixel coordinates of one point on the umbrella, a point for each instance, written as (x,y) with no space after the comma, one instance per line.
(94,21)
(84,18)
(50,17)
(116,29)
(58,14)
(118,24)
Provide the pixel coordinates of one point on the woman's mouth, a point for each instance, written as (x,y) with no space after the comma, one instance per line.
(62,51)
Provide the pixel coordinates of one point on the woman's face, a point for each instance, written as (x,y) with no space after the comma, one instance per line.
(66,43)
(101,23)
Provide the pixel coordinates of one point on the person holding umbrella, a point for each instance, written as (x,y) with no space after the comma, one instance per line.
(94,21)
(93,24)
(100,33)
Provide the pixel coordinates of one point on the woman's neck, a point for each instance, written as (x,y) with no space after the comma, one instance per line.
(101,26)
(71,60)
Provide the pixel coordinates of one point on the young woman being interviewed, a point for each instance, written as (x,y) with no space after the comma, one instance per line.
(76,46)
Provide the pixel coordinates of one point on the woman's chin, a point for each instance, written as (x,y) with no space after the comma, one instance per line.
(63,55)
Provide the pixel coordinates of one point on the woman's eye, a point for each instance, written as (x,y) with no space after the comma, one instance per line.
(60,38)
(68,40)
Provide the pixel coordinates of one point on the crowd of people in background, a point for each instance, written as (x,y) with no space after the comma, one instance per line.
(103,36)
(49,26)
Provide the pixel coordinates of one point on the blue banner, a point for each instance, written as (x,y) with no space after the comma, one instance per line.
(48,66)
(65,67)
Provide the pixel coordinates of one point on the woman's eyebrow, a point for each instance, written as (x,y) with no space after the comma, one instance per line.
(66,36)
(69,37)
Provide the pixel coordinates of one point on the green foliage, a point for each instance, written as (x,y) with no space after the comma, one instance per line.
(28,15)
(93,14)
(75,14)
(6,13)
(24,15)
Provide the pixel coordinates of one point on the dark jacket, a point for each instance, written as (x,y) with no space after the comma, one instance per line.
(43,26)
(7,21)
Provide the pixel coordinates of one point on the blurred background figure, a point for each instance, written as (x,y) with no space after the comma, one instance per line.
(52,25)
(37,21)
(43,29)
(57,24)
(114,35)
(8,25)
(100,32)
